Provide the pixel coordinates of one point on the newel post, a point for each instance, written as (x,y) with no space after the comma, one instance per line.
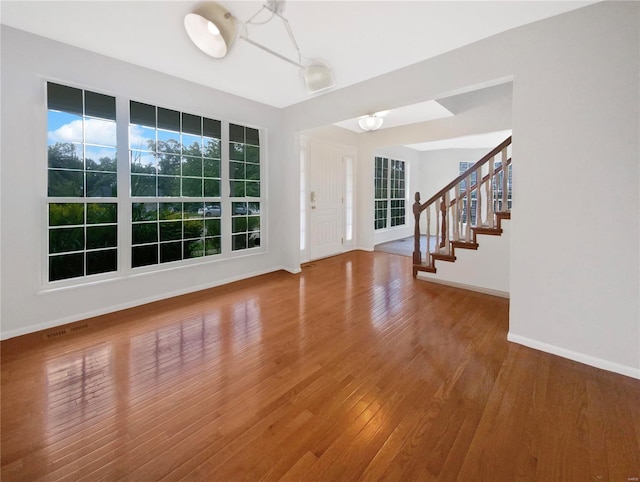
(417,255)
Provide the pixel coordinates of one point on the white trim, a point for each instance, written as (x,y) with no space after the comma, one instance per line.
(487,291)
(575,356)
(4,335)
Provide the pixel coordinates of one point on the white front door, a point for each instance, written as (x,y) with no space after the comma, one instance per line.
(325,195)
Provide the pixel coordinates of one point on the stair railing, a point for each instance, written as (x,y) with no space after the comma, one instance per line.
(461,205)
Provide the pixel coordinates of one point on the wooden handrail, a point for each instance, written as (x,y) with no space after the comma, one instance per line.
(484,179)
(450,214)
(462,176)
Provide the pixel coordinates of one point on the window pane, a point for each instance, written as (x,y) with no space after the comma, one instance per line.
(254,239)
(193,229)
(64,214)
(191,145)
(170,210)
(64,127)
(238,208)
(66,183)
(66,266)
(212,227)
(101,132)
(168,186)
(144,255)
(239,241)
(252,154)
(236,170)
(192,124)
(102,261)
(168,142)
(253,172)
(236,152)
(236,133)
(192,166)
(193,210)
(254,208)
(64,240)
(192,187)
(143,114)
(100,213)
(169,164)
(101,184)
(170,252)
(142,162)
(170,230)
(67,99)
(212,188)
(144,233)
(66,155)
(143,185)
(253,189)
(239,225)
(211,128)
(193,249)
(99,105)
(211,148)
(253,223)
(253,136)
(102,237)
(168,119)
(144,211)
(142,138)
(212,210)
(212,246)
(100,158)
(237,189)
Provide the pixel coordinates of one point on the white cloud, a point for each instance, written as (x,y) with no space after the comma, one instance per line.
(97,131)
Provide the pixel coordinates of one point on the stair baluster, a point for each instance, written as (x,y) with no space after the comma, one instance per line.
(456,225)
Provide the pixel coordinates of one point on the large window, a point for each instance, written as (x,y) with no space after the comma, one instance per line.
(390,193)
(497,190)
(174,155)
(244,185)
(176,205)
(82,171)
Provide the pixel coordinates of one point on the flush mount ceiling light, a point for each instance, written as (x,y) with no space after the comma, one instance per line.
(371,122)
(213,29)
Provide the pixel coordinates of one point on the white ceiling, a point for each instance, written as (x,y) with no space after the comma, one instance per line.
(359,39)
(478,141)
(424,111)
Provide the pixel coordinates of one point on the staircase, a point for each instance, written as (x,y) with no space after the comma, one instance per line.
(474,203)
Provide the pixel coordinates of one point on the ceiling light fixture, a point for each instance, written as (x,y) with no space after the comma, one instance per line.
(213,29)
(371,122)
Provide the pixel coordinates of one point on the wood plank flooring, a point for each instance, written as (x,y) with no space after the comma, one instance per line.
(349,371)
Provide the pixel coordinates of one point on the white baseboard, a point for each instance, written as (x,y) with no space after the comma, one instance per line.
(5,335)
(487,291)
(576,356)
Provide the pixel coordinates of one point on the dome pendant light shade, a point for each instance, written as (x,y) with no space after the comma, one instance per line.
(370,122)
(212,28)
(318,77)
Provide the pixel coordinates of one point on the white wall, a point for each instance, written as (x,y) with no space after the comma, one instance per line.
(439,168)
(27,61)
(485,270)
(574,253)
(574,276)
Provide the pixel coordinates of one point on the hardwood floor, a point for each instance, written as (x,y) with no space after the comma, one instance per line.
(351,370)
